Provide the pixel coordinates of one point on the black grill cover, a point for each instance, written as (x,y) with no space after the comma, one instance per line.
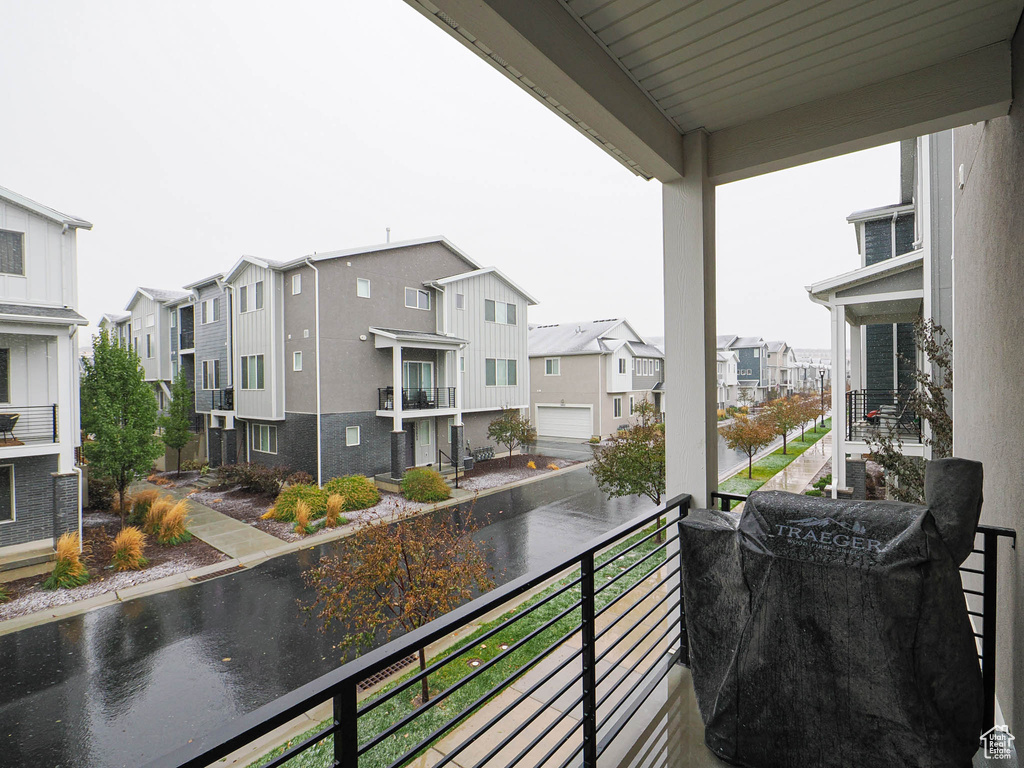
(834,633)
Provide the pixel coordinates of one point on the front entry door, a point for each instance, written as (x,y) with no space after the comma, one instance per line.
(424,451)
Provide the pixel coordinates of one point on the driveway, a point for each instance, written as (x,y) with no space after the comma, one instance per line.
(562,448)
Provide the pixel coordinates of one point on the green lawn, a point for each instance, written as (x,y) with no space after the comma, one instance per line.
(489,683)
(765,469)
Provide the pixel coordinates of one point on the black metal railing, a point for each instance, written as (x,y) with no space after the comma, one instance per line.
(20,424)
(978,576)
(626,577)
(198,422)
(882,410)
(416,398)
(187,340)
(222,400)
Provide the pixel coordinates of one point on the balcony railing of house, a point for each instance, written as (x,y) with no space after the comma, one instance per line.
(198,422)
(882,410)
(20,424)
(616,625)
(222,399)
(187,340)
(416,398)
(978,577)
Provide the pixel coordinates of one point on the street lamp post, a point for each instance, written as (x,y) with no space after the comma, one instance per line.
(821,376)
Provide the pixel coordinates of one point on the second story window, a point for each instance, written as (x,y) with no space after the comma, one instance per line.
(552,366)
(210,311)
(417,299)
(460,301)
(5,375)
(149,345)
(136,323)
(250,297)
(499,312)
(622,365)
(296,361)
(211,374)
(500,373)
(150,321)
(252,372)
(363,288)
(296,284)
(12,252)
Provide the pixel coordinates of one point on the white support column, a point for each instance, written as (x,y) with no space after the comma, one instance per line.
(688,222)
(67,372)
(856,359)
(396,386)
(838,397)
(456,379)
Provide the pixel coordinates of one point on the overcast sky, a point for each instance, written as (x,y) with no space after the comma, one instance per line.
(191,133)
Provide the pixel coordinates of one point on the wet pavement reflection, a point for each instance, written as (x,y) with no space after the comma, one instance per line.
(124,684)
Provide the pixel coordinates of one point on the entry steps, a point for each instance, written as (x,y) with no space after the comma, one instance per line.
(20,562)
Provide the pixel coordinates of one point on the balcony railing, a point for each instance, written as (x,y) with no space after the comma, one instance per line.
(20,424)
(978,577)
(624,584)
(416,398)
(187,340)
(222,400)
(884,411)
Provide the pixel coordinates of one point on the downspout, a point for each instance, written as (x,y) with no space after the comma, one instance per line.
(316,310)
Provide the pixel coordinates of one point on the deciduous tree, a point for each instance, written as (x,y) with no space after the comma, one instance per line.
(748,435)
(398,577)
(632,463)
(784,415)
(119,412)
(512,430)
(177,429)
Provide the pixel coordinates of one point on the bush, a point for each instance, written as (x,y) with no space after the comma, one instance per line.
(287,500)
(128,546)
(335,506)
(173,526)
(155,479)
(814,492)
(358,491)
(69,572)
(722,415)
(302,526)
(300,478)
(425,484)
(531,465)
(552,466)
(193,466)
(256,478)
(102,492)
(5,593)
(154,516)
(141,503)
(595,440)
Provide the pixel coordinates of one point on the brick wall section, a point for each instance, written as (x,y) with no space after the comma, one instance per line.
(33,500)
(856,477)
(65,506)
(216,458)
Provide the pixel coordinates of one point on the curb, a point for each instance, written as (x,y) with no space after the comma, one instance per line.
(184,578)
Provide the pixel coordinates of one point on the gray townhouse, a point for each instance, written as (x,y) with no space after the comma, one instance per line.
(369,360)
(781,369)
(751,365)
(40,483)
(586,377)
(152,328)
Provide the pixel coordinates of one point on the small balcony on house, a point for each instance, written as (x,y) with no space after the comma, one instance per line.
(872,413)
(424,370)
(220,399)
(28,425)
(417,398)
(186,329)
(187,341)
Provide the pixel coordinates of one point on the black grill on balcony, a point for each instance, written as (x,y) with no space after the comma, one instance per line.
(222,400)
(20,424)
(884,411)
(187,340)
(416,398)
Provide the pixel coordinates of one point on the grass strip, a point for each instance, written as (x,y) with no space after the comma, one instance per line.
(490,683)
(765,469)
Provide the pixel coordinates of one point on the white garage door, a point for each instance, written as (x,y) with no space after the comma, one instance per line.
(564,421)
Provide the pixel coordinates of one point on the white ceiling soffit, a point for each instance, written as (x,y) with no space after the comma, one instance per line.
(775,83)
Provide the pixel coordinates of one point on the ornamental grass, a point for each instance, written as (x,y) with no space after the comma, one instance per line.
(154,516)
(68,572)
(127,548)
(302,521)
(335,504)
(173,524)
(5,593)
(140,504)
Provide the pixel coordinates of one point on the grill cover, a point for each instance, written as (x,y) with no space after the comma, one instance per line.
(834,633)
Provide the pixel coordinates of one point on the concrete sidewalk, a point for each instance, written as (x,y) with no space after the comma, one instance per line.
(801,471)
(232,537)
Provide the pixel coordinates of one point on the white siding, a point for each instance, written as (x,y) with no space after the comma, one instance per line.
(50,261)
(142,308)
(259,332)
(489,340)
(33,369)
(620,382)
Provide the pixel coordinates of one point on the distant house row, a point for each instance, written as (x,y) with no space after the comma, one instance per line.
(365,361)
(752,370)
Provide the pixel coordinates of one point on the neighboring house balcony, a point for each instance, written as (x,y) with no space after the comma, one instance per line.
(883,412)
(417,398)
(218,399)
(28,425)
(187,341)
(423,369)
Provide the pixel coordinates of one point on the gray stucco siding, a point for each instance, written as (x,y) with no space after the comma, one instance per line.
(34,501)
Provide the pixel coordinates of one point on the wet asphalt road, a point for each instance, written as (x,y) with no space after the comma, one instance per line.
(123,684)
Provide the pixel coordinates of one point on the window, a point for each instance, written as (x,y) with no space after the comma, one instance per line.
(5,375)
(250,297)
(631,404)
(617,407)
(500,373)
(417,299)
(243,299)
(174,318)
(657,365)
(211,374)
(210,311)
(462,363)
(351,436)
(150,321)
(259,294)
(296,361)
(552,366)
(460,301)
(149,345)
(296,284)
(174,369)
(12,252)
(622,365)
(136,323)
(499,312)
(264,438)
(363,289)
(7,493)
(252,372)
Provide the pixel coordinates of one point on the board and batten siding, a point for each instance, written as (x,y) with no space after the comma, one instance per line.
(489,340)
(257,333)
(50,259)
(158,367)
(32,369)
